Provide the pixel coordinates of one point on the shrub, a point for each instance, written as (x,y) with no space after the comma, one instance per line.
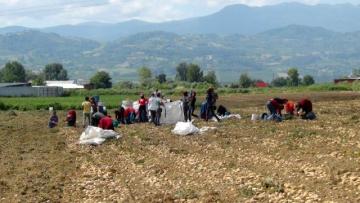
(3,106)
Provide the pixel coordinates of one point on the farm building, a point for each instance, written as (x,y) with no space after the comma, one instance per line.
(25,89)
(67,84)
(348,80)
(261,84)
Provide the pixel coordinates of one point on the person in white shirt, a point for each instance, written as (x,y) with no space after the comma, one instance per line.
(155,109)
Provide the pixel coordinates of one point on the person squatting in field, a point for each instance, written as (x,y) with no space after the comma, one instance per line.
(96,117)
(275,106)
(54,120)
(106,122)
(71,118)
(305,110)
(290,108)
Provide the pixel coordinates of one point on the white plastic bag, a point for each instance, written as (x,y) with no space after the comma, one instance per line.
(93,141)
(237,116)
(96,136)
(185,128)
(205,129)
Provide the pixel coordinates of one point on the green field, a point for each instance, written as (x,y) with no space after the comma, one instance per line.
(112,97)
(60,103)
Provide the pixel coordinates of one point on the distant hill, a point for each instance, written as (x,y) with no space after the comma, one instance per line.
(235,19)
(35,49)
(12,29)
(322,53)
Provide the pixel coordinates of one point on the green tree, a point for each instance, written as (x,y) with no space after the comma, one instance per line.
(210,78)
(308,80)
(181,72)
(55,71)
(293,75)
(194,73)
(161,78)
(13,72)
(279,82)
(144,75)
(35,78)
(126,85)
(38,80)
(245,81)
(101,79)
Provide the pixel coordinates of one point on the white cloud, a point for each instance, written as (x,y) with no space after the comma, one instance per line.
(42,13)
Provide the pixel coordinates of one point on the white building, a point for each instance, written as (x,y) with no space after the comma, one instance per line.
(67,84)
(25,89)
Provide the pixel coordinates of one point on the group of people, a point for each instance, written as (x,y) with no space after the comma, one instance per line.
(302,108)
(150,109)
(93,114)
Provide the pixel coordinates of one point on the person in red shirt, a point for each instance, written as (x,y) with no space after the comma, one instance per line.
(106,123)
(276,105)
(290,108)
(143,102)
(71,118)
(305,109)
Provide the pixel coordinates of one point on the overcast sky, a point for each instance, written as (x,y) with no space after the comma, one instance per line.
(41,13)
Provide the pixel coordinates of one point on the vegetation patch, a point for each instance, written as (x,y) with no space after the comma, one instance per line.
(273,185)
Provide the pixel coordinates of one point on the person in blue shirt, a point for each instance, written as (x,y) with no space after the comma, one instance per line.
(54,120)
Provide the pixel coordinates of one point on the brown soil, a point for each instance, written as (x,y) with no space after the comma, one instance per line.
(240,161)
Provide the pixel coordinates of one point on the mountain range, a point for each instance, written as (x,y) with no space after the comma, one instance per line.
(235,19)
(321,40)
(322,53)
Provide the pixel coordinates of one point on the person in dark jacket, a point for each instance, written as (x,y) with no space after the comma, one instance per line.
(96,117)
(193,103)
(211,98)
(186,106)
(120,115)
(305,110)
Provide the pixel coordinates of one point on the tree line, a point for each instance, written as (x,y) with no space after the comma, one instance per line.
(15,72)
(185,72)
(292,80)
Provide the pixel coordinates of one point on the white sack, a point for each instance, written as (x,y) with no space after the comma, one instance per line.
(136,106)
(185,128)
(172,113)
(237,116)
(96,136)
(126,104)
